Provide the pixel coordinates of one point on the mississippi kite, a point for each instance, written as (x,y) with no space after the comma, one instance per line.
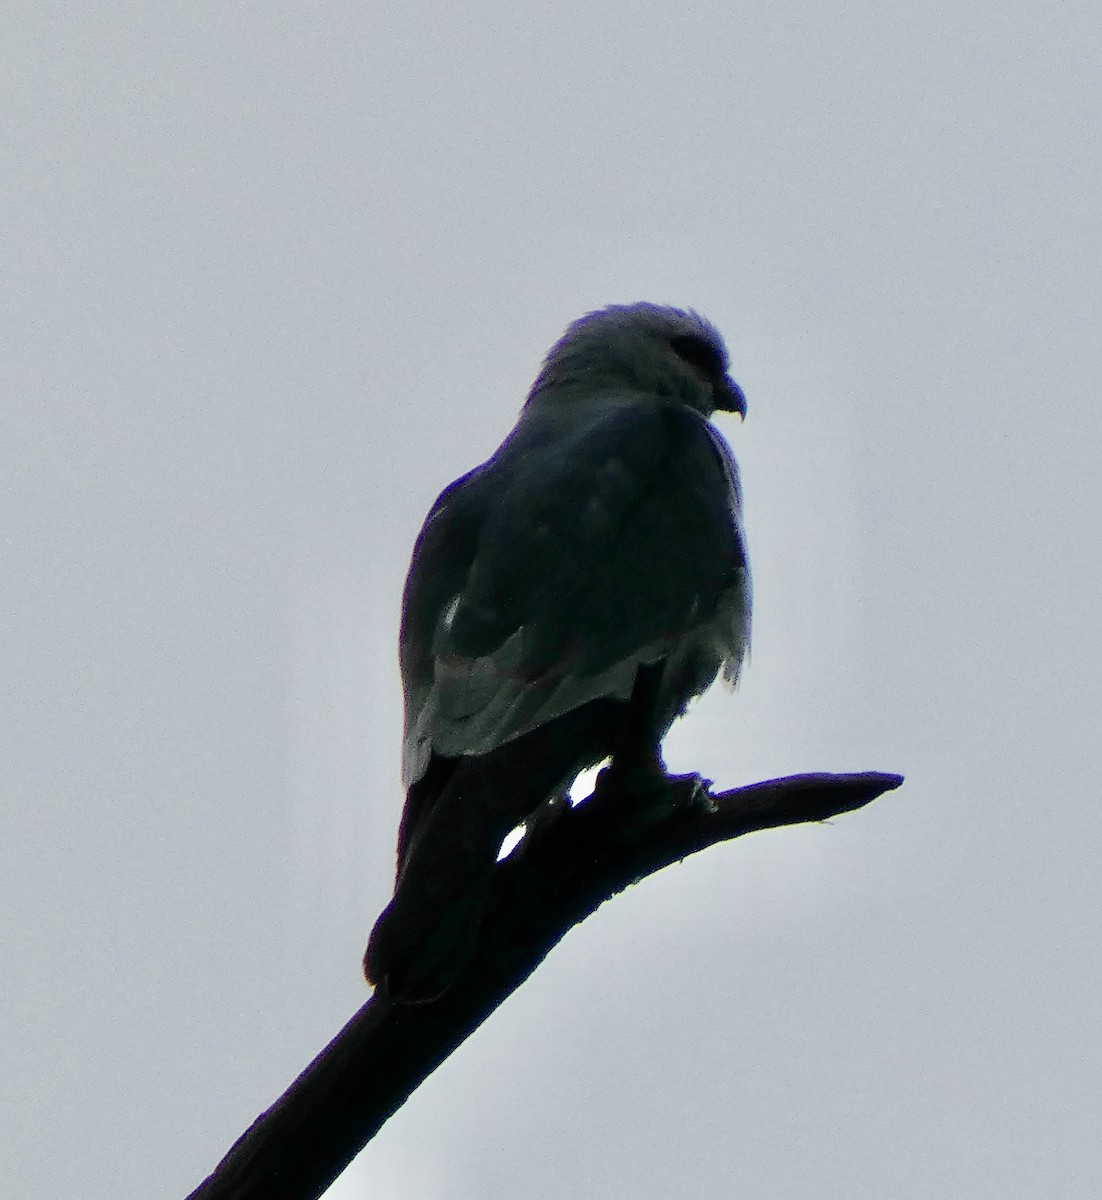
(566,600)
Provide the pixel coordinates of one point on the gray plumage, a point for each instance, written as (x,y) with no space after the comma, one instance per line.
(600,545)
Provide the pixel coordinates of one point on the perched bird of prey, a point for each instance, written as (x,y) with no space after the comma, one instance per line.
(566,600)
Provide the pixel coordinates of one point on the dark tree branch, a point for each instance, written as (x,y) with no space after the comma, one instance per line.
(563,870)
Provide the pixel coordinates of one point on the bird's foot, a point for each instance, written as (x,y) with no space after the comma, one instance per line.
(652,794)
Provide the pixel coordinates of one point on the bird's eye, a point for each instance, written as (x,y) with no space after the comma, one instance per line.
(696,353)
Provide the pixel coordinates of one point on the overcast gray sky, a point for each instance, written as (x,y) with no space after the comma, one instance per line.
(275,274)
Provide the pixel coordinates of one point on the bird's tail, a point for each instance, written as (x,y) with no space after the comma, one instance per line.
(456,818)
(424,936)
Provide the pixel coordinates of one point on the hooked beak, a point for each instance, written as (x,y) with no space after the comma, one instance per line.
(729,397)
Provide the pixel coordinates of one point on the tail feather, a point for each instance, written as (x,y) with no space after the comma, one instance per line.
(425,934)
(456,817)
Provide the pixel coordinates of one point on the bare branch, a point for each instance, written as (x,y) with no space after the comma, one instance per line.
(563,870)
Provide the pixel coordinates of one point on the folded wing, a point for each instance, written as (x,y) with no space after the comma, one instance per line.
(593,541)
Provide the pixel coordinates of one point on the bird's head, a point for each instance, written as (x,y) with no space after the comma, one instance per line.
(641,347)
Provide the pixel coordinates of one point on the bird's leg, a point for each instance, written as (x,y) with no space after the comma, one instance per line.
(637,767)
(636,751)
(540,822)
(541,819)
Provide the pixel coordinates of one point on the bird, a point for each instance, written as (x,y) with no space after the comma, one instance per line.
(565,601)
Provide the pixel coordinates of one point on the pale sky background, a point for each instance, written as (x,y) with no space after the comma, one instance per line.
(273,275)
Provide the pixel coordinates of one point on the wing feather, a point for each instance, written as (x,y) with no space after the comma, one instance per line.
(590,543)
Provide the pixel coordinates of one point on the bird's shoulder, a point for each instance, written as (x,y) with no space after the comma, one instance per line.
(580,458)
(616,448)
